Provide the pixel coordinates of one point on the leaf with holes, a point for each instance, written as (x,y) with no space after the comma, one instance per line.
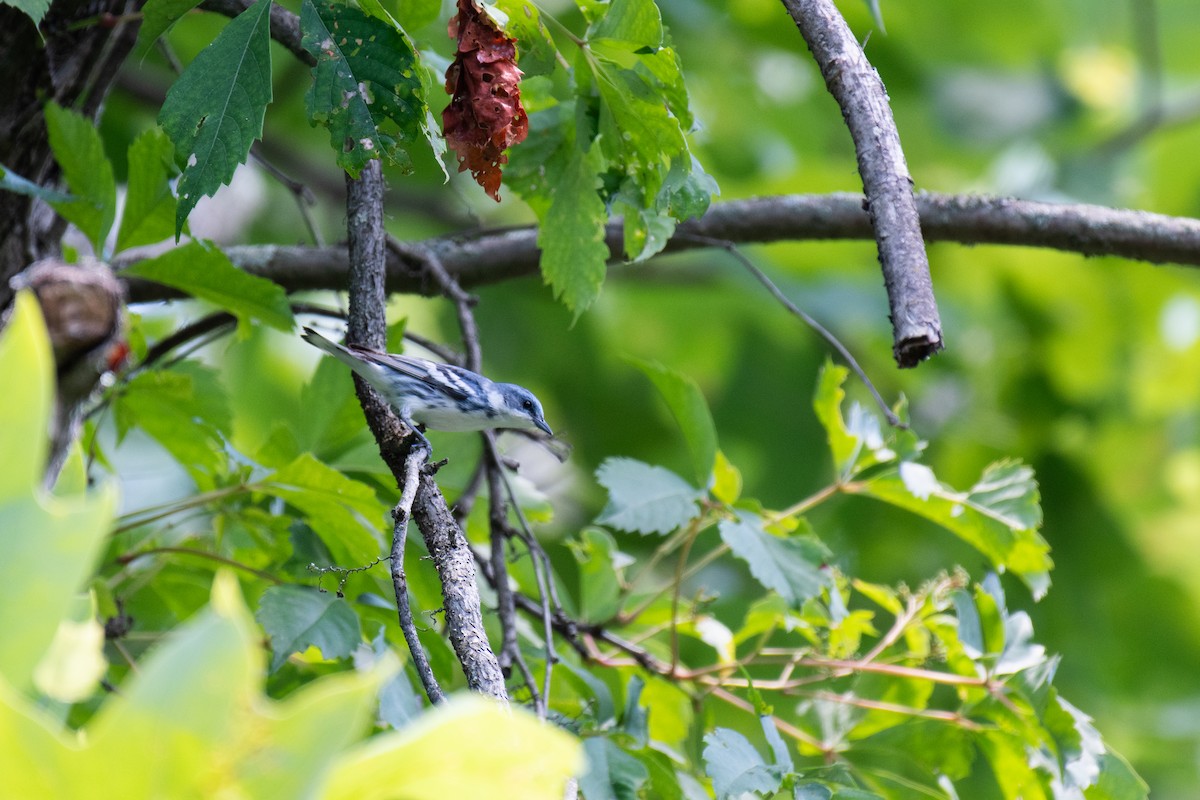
(366,86)
(214,112)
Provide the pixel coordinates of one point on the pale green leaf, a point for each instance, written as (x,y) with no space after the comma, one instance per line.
(48,543)
(690,409)
(296,617)
(149,214)
(87,171)
(35,9)
(366,86)
(204,272)
(999,516)
(600,566)
(612,773)
(791,566)
(214,111)
(736,767)
(536,54)
(468,747)
(643,498)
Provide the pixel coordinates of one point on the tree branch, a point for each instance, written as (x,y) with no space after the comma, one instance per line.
(856,86)
(492,256)
(445,541)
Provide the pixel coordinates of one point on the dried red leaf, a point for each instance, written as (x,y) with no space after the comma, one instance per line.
(485,116)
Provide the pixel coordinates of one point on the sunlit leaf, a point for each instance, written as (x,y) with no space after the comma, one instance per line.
(644,498)
(791,566)
(571,234)
(998,516)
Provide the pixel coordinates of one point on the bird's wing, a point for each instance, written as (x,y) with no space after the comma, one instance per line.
(442,378)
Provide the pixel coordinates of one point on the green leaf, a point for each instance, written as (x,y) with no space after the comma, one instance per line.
(827,403)
(214,111)
(612,773)
(206,273)
(727,480)
(779,749)
(87,171)
(366,86)
(12,182)
(159,15)
(465,748)
(296,617)
(643,498)
(345,513)
(998,516)
(48,543)
(35,9)
(184,410)
(149,214)
(790,566)
(736,767)
(536,53)
(690,410)
(571,234)
(600,567)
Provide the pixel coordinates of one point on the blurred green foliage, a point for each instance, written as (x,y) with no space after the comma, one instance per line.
(1086,369)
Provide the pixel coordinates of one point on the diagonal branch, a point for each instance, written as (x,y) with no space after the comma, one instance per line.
(856,86)
(445,541)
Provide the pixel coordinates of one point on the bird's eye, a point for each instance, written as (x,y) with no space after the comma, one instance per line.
(527,405)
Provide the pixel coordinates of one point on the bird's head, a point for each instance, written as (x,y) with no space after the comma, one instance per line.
(520,409)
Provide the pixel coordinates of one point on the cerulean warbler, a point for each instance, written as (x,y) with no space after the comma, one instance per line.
(439,396)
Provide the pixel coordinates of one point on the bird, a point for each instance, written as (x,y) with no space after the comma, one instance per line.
(439,397)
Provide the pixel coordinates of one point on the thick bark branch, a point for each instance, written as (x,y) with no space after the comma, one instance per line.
(493,256)
(448,547)
(856,86)
(71,59)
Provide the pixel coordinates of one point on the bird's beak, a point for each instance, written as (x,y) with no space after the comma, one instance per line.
(541,423)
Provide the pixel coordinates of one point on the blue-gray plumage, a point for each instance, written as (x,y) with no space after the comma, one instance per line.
(439,396)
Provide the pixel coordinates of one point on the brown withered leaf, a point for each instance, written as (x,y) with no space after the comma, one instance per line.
(485,116)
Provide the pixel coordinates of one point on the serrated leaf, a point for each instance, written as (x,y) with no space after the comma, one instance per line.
(12,182)
(736,767)
(87,171)
(345,513)
(790,566)
(571,234)
(643,498)
(998,516)
(215,110)
(690,409)
(35,9)
(149,214)
(366,86)
(159,15)
(296,617)
(204,272)
(779,749)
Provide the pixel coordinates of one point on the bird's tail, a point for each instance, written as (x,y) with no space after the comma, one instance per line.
(337,351)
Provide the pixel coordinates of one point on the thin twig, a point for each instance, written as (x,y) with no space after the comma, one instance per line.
(417,458)
(304,197)
(808,320)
